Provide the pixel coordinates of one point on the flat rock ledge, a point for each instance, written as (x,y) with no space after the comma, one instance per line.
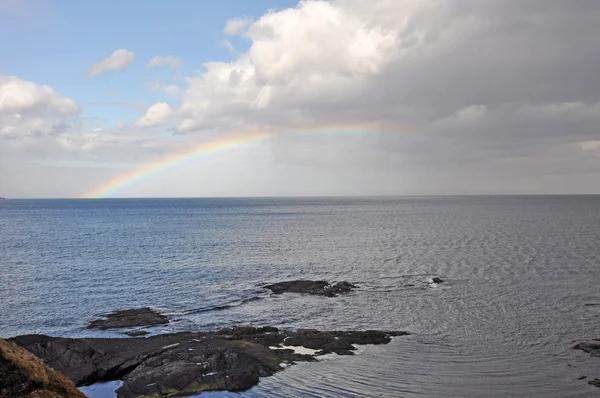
(317,288)
(129,318)
(182,364)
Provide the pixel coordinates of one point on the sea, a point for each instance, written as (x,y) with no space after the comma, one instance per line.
(521,283)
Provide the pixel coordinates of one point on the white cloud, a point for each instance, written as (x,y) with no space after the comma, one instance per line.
(468,116)
(236,26)
(156,115)
(118,60)
(17,96)
(170,61)
(30,111)
(318,52)
(36,118)
(227,44)
(590,145)
(172,89)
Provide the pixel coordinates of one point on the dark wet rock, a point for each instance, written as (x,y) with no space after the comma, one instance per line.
(195,366)
(247,330)
(24,375)
(136,333)
(129,318)
(231,359)
(87,361)
(435,279)
(595,382)
(582,377)
(592,347)
(338,342)
(317,288)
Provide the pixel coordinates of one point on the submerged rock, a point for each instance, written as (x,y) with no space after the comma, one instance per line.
(317,288)
(24,375)
(129,318)
(592,347)
(231,359)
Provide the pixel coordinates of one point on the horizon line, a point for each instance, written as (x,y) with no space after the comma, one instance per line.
(304,196)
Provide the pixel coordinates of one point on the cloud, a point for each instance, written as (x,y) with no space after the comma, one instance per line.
(236,26)
(474,96)
(228,45)
(139,105)
(38,120)
(570,110)
(20,96)
(463,117)
(170,61)
(118,60)
(29,111)
(480,82)
(309,56)
(172,89)
(591,145)
(403,63)
(156,115)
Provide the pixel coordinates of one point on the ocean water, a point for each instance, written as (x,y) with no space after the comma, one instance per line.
(522,282)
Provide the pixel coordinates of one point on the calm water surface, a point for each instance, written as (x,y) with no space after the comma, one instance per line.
(522,282)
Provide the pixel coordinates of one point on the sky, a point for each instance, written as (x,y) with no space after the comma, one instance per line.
(347,97)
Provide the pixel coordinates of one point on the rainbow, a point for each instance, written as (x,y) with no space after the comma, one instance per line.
(214,147)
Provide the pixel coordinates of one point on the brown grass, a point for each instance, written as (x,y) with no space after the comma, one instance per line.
(43,382)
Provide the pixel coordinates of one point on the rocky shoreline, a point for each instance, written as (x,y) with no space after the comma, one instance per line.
(188,363)
(174,364)
(180,364)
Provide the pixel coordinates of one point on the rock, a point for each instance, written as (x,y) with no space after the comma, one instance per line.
(136,333)
(592,347)
(595,382)
(435,279)
(341,343)
(196,366)
(129,318)
(230,359)
(24,375)
(317,288)
(87,361)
